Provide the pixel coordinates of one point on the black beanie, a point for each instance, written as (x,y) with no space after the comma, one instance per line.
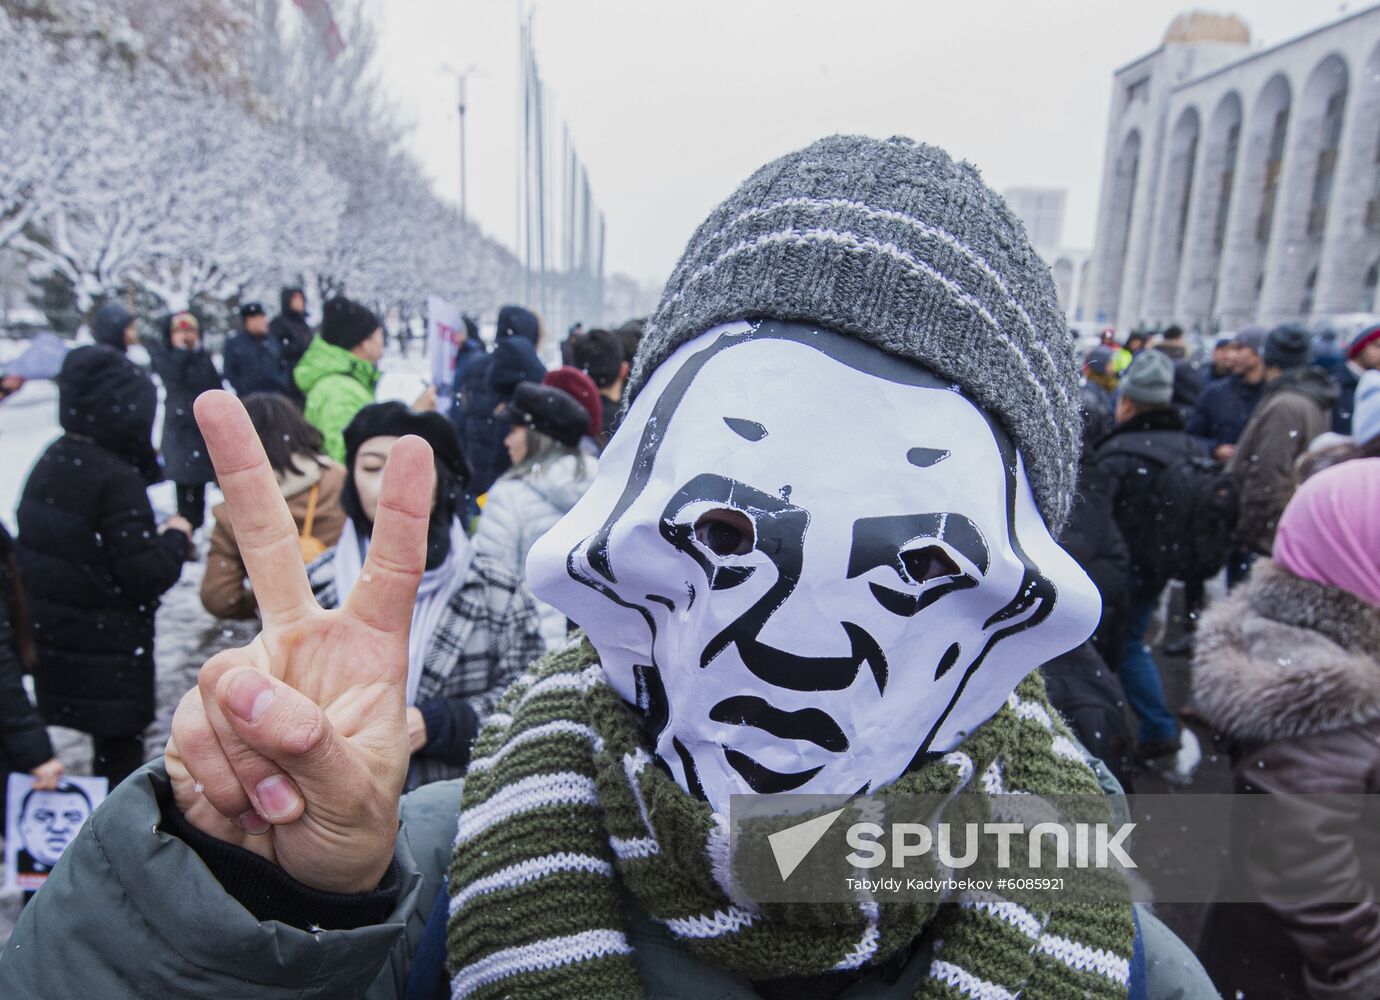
(395,419)
(515,321)
(1287,346)
(346,324)
(550,411)
(452,471)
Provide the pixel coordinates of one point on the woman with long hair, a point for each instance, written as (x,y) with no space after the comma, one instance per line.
(311,483)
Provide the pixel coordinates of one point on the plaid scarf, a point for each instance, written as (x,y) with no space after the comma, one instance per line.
(561,805)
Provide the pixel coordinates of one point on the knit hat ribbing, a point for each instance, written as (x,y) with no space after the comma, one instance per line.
(1288,347)
(896,244)
(1361,338)
(1149,380)
(346,324)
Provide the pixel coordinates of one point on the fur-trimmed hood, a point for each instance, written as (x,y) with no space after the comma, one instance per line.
(1284,657)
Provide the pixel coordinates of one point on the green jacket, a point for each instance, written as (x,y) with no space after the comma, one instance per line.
(337,385)
(131,911)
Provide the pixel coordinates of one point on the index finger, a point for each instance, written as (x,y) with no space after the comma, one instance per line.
(264,528)
(386,590)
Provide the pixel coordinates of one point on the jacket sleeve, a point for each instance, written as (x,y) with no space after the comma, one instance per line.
(145,562)
(223,586)
(1199,420)
(1306,870)
(1266,474)
(230,362)
(22,735)
(132,911)
(499,533)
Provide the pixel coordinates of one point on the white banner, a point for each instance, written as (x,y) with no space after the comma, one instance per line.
(445,326)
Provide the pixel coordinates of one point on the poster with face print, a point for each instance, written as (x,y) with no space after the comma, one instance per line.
(809,564)
(40,823)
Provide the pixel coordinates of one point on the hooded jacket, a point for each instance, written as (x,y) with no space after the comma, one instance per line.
(185,374)
(290,329)
(1294,409)
(337,385)
(523,506)
(1289,670)
(90,552)
(108,325)
(490,382)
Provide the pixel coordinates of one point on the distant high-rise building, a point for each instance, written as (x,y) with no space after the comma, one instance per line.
(1241,185)
(1042,211)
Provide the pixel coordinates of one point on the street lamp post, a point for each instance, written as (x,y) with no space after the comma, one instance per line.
(461,79)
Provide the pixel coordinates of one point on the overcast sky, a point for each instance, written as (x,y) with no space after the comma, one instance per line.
(671,105)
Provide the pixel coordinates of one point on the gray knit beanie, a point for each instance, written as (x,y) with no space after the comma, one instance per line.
(1149,379)
(896,244)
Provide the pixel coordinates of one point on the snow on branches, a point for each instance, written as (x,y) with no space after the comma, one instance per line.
(129,164)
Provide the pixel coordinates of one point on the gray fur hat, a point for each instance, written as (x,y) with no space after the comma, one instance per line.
(896,244)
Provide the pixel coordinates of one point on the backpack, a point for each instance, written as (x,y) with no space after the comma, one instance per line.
(1195,507)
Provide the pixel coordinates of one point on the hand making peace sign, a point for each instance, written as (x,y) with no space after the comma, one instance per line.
(295,746)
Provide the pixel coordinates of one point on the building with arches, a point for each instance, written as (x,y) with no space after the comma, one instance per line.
(1241,185)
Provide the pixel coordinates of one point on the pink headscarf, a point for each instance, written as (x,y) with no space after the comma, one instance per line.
(1330,532)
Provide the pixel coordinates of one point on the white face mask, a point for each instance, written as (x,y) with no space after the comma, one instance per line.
(808,563)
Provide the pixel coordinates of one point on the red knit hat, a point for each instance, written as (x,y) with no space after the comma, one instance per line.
(582,387)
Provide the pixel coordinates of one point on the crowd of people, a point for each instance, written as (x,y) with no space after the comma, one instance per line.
(670,511)
(88,548)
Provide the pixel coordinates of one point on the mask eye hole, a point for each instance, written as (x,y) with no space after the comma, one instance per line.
(725,532)
(928,563)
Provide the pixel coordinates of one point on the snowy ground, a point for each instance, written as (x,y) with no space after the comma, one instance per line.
(186,635)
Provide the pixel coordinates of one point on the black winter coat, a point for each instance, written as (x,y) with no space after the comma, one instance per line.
(1125,479)
(90,553)
(291,330)
(1345,406)
(255,364)
(1091,700)
(185,375)
(24,741)
(1092,537)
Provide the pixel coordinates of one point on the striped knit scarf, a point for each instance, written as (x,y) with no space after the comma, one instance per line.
(562,803)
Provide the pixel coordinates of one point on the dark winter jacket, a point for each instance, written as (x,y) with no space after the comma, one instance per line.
(1295,408)
(185,375)
(256,364)
(490,382)
(1346,378)
(90,553)
(1123,477)
(1289,670)
(24,742)
(1224,410)
(471,352)
(1091,700)
(109,324)
(1092,537)
(290,329)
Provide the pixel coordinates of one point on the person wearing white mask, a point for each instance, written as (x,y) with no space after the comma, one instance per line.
(474,625)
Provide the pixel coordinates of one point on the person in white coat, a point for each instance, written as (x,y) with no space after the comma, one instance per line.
(549,473)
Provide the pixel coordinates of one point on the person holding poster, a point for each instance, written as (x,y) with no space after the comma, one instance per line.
(768,606)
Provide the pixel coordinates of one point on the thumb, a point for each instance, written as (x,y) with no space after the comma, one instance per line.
(284,726)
